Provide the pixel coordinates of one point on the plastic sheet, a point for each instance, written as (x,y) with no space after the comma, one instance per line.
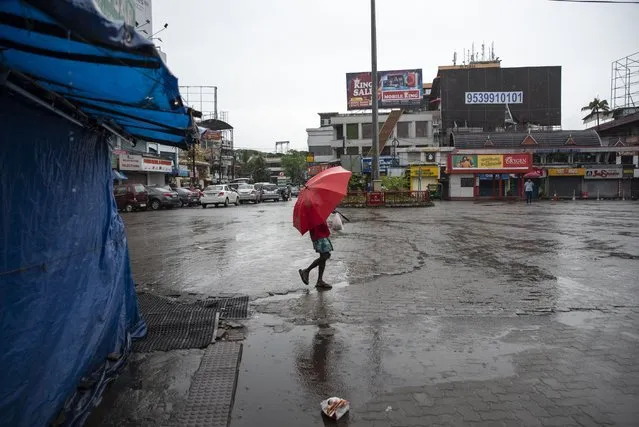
(67,298)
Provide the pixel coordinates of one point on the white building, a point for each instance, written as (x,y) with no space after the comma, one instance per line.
(414,135)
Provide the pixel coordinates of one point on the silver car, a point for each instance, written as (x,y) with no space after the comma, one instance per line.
(248,193)
(268,191)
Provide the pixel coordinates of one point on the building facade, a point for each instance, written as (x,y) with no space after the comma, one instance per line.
(567,164)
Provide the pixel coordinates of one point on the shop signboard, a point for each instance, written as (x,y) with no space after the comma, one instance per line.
(385,163)
(492,176)
(604,173)
(397,88)
(424,171)
(157,165)
(130,162)
(628,173)
(470,163)
(567,172)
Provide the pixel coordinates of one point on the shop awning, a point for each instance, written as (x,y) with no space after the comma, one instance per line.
(96,71)
(118,175)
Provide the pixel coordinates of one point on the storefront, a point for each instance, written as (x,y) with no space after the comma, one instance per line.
(605,183)
(566,183)
(157,170)
(495,176)
(421,176)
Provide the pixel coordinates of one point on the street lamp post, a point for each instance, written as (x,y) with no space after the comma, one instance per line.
(375,119)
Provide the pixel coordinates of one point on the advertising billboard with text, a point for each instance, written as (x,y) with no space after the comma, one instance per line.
(479,163)
(397,88)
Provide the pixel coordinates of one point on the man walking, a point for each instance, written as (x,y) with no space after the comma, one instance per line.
(528,188)
(323,246)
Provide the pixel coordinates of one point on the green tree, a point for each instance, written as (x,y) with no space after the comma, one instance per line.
(395,183)
(257,168)
(595,106)
(294,165)
(357,183)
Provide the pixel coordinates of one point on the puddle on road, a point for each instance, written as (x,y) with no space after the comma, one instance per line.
(287,369)
(580,319)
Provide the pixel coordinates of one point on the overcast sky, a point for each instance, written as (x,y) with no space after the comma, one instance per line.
(277,63)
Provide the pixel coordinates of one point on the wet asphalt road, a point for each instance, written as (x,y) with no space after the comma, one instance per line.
(495,296)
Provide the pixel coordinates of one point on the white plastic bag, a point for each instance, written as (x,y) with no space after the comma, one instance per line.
(335,407)
(336,223)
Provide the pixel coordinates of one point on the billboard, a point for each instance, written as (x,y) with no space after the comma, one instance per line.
(477,163)
(491,98)
(396,88)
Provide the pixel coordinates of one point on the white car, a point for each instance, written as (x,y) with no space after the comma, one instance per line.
(219,195)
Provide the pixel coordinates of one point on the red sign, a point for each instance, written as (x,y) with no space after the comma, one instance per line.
(375,199)
(512,161)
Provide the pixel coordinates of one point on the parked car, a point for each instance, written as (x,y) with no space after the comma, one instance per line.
(268,191)
(219,195)
(248,193)
(295,191)
(188,197)
(160,197)
(130,197)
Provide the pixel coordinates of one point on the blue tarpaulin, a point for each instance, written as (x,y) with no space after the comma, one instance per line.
(107,69)
(68,308)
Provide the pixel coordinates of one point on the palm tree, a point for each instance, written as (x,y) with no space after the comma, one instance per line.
(595,106)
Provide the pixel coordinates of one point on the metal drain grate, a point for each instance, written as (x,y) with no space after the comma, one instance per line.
(212,391)
(229,308)
(173,326)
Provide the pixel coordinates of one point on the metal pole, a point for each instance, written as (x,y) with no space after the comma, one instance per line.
(215,102)
(375,159)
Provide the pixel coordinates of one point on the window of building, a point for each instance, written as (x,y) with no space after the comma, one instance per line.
(365,150)
(339,129)
(339,152)
(421,128)
(352,131)
(386,151)
(321,150)
(536,159)
(367,130)
(352,150)
(467,182)
(403,130)
(557,158)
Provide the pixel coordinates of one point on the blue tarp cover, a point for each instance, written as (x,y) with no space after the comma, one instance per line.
(67,297)
(106,68)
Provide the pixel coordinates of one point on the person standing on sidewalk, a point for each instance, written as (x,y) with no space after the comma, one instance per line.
(323,246)
(528,188)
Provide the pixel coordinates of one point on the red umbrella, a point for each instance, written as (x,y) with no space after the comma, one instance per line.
(532,175)
(319,197)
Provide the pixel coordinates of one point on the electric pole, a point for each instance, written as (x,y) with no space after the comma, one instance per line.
(375,159)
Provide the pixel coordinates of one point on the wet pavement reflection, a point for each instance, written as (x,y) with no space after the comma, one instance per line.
(470,293)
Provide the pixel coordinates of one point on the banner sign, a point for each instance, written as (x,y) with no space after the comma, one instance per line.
(567,172)
(385,163)
(604,173)
(468,163)
(130,162)
(397,88)
(494,97)
(157,165)
(430,171)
